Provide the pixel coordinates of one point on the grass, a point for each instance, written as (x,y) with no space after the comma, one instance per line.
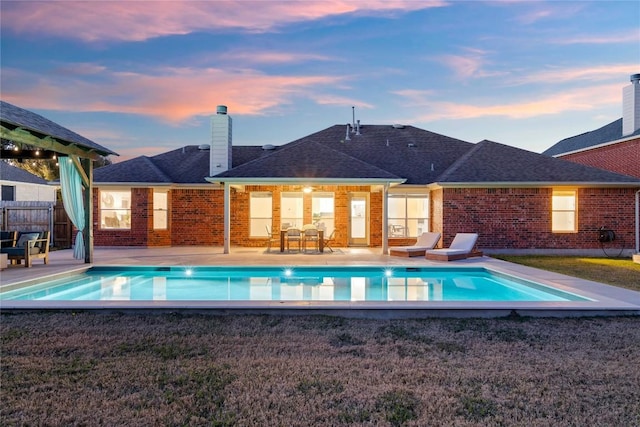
(91,368)
(622,272)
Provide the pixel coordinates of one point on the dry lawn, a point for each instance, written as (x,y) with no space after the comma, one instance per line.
(168,369)
(622,272)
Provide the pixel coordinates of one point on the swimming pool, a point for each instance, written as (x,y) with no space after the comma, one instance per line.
(293,284)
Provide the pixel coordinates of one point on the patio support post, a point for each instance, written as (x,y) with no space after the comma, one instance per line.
(87,166)
(385,219)
(227,216)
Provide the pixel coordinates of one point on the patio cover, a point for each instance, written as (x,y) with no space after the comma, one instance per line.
(36,137)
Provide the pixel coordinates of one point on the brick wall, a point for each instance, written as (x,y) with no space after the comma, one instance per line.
(505,218)
(623,157)
(520,218)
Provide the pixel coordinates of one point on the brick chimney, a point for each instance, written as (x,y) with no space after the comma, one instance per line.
(631,106)
(220,157)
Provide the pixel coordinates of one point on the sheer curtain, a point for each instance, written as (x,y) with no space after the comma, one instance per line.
(73,204)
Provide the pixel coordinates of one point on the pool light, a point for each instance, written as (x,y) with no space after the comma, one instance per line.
(188,272)
(288,272)
(388,272)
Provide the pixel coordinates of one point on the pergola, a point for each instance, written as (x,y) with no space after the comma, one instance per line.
(35,137)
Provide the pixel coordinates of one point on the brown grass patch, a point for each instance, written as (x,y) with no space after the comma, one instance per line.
(110,369)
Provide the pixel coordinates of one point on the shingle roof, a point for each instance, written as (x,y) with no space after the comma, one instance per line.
(493,162)
(415,154)
(19,117)
(12,173)
(307,159)
(186,165)
(607,133)
(380,152)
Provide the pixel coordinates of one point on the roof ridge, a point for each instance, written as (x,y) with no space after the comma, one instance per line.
(156,168)
(461,160)
(354,158)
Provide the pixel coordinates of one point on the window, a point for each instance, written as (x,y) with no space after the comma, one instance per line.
(160,210)
(563,211)
(322,211)
(115,209)
(260,213)
(291,210)
(9,193)
(408,215)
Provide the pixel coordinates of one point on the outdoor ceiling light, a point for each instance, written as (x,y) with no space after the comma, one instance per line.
(307,190)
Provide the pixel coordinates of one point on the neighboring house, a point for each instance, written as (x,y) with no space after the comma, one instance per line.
(18,185)
(375,185)
(615,146)
(27,200)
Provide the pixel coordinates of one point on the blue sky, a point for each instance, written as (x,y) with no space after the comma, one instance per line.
(144,77)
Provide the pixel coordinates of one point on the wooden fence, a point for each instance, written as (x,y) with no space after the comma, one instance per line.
(38,216)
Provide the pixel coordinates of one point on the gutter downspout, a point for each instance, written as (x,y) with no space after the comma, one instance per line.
(385,219)
(638,222)
(227,216)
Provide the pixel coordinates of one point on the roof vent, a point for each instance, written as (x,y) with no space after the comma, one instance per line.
(268,147)
(398,126)
(411,144)
(204,147)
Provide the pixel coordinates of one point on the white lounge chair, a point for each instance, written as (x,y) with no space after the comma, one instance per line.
(461,247)
(425,241)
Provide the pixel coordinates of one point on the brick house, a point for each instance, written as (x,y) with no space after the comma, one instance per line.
(375,185)
(615,146)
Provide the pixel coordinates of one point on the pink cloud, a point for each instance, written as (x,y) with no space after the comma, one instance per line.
(340,100)
(571,100)
(174,95)
(258,57)
(632,36)
(468,65)
(562,75)
(141,20)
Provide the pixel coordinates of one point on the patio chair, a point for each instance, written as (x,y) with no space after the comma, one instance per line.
(425,242)
(327,241)
(311,235)
(461,247)
(273,238)
(294,235)
(29,245)
(8,238)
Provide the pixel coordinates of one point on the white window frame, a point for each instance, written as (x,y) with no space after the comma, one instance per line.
(115,208)
(160,214)
(559,213)
(399,226)
(260,216)
(294,219)
(327,220)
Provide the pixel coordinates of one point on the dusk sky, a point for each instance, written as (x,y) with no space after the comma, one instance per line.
(144,77)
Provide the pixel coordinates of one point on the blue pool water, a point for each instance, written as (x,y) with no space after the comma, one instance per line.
(288,284)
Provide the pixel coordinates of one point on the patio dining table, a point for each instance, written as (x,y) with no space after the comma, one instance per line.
(283,237)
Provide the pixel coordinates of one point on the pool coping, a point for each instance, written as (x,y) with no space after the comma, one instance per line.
(611,300)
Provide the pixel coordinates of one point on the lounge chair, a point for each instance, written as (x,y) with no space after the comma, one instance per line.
(30,245)
(425,242)
(461,247)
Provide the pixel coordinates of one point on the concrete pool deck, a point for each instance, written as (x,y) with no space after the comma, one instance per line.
(608,300)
